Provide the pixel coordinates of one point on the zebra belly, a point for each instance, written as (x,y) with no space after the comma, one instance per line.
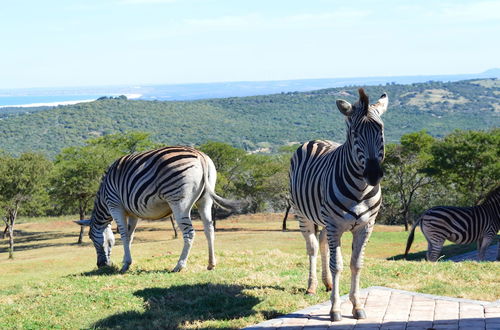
(155,208)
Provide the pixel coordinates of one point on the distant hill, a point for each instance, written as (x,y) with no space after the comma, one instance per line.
(256,121)
(197,91)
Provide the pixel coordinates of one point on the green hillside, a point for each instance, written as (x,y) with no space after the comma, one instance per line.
(257,121)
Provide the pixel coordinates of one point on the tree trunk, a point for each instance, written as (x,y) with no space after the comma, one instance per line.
(5,230)
(11,242)
(283,226)
(214,215)
(173,225)
(406,216)
(11,220)
(82,228)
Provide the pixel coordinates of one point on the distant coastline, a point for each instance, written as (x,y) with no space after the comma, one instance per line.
(54,104)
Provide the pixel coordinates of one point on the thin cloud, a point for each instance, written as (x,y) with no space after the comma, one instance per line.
(144,2)
(470,12)
(259,21)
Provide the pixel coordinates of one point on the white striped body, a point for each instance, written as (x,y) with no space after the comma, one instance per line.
(336,186)
(461,225)
(153,185)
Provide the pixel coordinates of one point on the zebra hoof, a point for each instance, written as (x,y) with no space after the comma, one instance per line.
(328,287)
(177,269)
(210,267)
(124,269)
(310,292)
(358,313)
(335,316)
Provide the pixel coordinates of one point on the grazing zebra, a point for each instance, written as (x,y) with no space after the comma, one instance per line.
(461,225)
(337,187)
(153,185)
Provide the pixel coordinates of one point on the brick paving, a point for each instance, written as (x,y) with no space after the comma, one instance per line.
(491,255)
(395,309)
(390,309)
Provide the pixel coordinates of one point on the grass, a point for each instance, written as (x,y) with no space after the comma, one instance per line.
(261,274)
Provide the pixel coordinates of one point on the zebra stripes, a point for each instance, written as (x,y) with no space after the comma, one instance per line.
(337,187)
(461,225)
(152,185)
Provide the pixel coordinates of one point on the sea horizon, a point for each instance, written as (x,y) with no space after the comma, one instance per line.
(31,101)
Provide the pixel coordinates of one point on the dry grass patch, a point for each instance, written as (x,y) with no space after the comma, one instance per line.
(261,273)
(436,96)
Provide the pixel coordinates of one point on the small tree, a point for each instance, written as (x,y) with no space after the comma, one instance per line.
(404,164)
(20,179)
(125,143)
(468,162)
(77,174)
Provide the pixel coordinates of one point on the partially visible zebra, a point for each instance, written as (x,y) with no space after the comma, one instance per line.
(461,225)
(153,185)
(337,187)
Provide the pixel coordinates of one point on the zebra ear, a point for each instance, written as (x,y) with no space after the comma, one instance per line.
(344,107)
(381,106)
(82,222)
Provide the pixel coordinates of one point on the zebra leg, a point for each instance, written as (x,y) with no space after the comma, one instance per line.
(485,242)
(121,220)
(205,209)
(131,225)
(336,266)
(326,275)
(308,231)
(434,247)
(182,214)
(359,240)
(498,252)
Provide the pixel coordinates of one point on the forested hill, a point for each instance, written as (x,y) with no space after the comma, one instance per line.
(257,121)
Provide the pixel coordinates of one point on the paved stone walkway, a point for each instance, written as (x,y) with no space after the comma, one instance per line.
(491,254)
(395,309)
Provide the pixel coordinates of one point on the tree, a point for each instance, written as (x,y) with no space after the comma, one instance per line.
(20,179)
(265,182)
(77,174)
(229,163)
(468,162)
(125,143)
(404,177)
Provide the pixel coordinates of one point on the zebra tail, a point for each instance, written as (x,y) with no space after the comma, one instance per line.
(225,203)
(411,237)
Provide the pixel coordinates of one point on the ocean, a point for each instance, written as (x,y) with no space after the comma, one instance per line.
(36,99)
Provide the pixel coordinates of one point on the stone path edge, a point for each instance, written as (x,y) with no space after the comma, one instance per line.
(343,298)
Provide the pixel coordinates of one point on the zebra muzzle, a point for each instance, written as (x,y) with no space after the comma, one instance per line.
(373,172)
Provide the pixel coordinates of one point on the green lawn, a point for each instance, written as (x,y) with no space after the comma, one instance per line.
(261,273)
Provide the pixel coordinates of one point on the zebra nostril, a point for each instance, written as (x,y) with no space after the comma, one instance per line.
(373,172)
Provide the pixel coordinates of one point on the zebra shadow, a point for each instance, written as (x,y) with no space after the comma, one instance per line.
(176,306)
(447,252)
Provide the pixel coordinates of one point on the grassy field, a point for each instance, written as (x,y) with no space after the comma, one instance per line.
(261,274)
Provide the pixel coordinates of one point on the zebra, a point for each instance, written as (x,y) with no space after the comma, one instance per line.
(461,225)
(336,186)
(152,185)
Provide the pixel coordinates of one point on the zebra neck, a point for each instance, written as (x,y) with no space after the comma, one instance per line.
(348,176)
(100,214)
(352,168)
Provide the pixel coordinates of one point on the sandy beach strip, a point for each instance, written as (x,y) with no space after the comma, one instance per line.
(54,104)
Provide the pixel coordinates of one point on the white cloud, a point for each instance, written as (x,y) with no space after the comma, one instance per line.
(143,2)
(334,18)
(475,11)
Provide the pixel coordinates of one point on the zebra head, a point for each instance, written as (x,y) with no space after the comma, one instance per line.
(103,239)
(365,135)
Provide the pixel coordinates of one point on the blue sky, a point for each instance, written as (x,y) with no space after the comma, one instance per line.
(132,42)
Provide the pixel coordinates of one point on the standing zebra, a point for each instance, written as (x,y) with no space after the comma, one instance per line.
(461,225)
(337,187)
(153,185)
